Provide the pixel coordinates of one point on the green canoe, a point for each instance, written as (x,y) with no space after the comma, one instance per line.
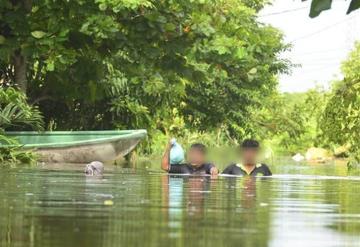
(79,146)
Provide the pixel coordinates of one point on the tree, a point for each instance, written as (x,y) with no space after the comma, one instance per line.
(291,119)
(105,64)
(340,122)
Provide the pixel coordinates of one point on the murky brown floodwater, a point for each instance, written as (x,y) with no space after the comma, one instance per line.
(303,205)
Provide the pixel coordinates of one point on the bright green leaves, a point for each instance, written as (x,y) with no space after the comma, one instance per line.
(223,44)
(155,85)
(118,5)
(38,34)
(342,111)
(100,26)
(290,119)
(50,66)
(199,1)
(15,111)
(252,74)
(201,24)
(128,63)
(240,52)
(240,61)
(351,66)
(228,45)
(252,71)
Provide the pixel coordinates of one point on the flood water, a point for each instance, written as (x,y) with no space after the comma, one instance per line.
(302,205)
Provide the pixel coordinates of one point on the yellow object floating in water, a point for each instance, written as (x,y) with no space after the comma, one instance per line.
(108,202)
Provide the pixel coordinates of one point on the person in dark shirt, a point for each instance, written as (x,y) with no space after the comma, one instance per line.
(196,162)
(249,166)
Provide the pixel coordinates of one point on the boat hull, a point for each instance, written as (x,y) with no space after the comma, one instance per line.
(104,152)
(79,146)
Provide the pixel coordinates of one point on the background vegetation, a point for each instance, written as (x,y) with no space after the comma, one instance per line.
(202,70)
(15,113)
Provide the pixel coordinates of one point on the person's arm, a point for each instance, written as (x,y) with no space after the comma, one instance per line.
(214,171)
(165,162)
(211,169)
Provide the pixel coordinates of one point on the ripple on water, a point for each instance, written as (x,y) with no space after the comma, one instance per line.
(54,207)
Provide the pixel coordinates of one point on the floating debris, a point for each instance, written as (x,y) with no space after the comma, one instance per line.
(108,203)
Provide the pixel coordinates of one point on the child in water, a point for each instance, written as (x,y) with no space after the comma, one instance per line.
(249,166)
(196,162)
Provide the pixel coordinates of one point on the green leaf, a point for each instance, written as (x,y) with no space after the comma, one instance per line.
(170,27)
(317,6)
(354,4)
(253,71)
(240,52)
(38,34)
(50,66)
(102,6)
(161,19)
(2,39)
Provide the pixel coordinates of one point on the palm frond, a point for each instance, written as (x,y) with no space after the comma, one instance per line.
(16,113)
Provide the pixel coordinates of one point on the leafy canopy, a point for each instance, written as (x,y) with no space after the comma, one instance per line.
(105,64)
(341,114)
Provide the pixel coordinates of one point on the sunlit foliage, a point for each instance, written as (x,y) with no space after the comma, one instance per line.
(15,113)
(291,120)
(132,63)
(341,122)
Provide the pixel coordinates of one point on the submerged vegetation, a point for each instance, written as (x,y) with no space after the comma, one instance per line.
(199,70)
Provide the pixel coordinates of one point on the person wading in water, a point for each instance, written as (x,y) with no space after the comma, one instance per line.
(196,162)
(249,151)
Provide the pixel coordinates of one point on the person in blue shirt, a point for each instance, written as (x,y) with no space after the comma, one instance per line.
(196,162)
(248,166)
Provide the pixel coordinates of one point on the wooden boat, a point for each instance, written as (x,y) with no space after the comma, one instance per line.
(79,146)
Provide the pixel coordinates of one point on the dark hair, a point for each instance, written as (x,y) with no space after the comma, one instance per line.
(199,146)
(250,143)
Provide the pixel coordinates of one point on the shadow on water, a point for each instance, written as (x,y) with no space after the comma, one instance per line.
(303,205)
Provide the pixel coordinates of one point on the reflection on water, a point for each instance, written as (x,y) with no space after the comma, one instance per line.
(57,207)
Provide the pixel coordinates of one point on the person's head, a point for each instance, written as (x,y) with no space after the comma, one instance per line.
(249,151)
(197,154)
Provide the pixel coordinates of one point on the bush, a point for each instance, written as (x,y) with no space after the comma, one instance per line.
(16,114)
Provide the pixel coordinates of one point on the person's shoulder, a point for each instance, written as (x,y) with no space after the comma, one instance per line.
(208,164)
(179,168)
(266,168)
(229,169)
(232,165)
(180,164)
(264,165)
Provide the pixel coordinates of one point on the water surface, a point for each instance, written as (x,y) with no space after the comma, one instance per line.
(303,205)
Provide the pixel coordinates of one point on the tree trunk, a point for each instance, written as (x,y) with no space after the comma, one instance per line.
(19,60)
(20,71)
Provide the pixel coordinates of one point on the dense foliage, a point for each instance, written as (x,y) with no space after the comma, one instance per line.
(340,122)
(290,121)
(159,65)
(15,113)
